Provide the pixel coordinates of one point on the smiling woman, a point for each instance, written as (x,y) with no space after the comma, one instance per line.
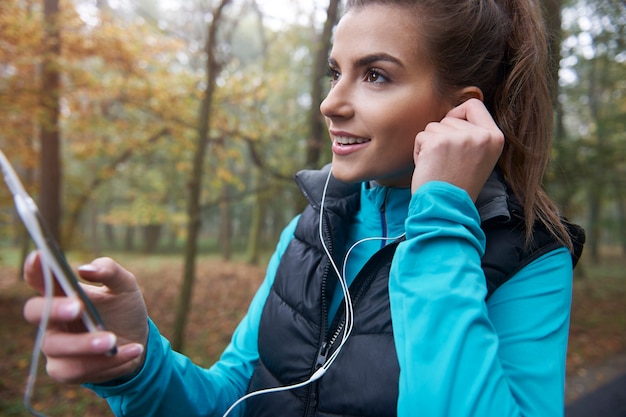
(382,95)
(429,274)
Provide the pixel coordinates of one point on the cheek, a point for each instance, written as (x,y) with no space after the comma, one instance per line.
(404,132)
(398,119)
(393,122)
(405,129)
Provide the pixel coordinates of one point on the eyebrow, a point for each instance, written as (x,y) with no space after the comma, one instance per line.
(372,58)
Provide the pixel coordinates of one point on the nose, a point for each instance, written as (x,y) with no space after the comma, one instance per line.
(337,103)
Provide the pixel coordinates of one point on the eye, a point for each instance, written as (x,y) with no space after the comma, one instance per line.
(333,75)
(374,76)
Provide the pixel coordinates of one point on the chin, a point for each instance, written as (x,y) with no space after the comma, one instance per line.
(347,175)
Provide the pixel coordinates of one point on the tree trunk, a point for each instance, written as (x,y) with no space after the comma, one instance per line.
(96,247)
(50,157)
(559,189)
(226,230)
(320,67)
(552,15)
(621,212)
(597,187)
(151,237)
(129,238)
(256,224)
(594,229)
(195,183)
(317,126)
(109,235)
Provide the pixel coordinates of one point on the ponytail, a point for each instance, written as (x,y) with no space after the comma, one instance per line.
(500,46)
(523,110)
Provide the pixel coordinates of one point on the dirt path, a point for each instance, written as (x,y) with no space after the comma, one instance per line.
(599,390)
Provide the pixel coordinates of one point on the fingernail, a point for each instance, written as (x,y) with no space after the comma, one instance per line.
(30,259)
(69,309)
(135,350)
(88,268)
(104,342)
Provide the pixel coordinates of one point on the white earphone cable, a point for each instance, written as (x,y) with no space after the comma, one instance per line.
(347,299)
(34,362)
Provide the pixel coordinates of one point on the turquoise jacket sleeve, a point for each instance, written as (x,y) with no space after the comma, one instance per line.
(169,384)
(458,355)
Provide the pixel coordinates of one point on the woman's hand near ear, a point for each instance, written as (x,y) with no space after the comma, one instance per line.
(462,149)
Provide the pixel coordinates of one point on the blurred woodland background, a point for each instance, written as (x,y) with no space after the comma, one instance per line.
(165,133)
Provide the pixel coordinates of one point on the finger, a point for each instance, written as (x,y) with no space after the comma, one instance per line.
(436,127)
(453,123)
(110,273)
(33,274)
(452,126)
(479,122)
(58,344)
(96,368)
(475,112)
(63,309)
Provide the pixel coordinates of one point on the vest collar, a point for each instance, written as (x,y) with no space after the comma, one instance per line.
(492,202)
(312,183)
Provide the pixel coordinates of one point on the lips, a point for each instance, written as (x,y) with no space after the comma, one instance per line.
(349,140)
(343,138)
(345,144)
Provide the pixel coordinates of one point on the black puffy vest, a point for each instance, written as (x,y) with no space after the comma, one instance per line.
(293,340)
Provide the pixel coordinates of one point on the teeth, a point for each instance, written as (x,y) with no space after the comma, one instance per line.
(350,141)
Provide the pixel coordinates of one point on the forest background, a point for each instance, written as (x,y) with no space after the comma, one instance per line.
(165,133)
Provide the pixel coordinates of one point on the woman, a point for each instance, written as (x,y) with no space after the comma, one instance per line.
(459,266)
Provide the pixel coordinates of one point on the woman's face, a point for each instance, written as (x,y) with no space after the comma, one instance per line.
(382,95)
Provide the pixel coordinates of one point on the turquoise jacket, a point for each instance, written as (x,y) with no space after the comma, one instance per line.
(458,355)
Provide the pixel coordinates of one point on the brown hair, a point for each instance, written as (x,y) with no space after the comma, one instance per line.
(501,47)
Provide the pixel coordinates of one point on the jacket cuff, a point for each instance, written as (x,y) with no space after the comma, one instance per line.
(441,206)
(156,351)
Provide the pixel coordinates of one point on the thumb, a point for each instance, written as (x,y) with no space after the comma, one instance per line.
(109,273)
(475,112)
(33,274)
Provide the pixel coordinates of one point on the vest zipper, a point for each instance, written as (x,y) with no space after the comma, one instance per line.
(327,345)
(326,342)
(324,347)
(322,357)
(324,318)
(358,289)
(383,218)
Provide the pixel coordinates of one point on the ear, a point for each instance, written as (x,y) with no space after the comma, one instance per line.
(468,93)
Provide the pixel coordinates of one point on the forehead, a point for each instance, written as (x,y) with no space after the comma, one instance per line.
(375,29)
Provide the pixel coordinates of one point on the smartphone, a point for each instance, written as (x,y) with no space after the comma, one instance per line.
(51,254)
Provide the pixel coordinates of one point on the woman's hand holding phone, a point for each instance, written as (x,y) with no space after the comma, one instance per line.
(76,356)
(461,149)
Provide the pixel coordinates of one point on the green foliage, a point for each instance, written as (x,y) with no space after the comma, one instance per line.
(589,169)
(130,96)
(132,83)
